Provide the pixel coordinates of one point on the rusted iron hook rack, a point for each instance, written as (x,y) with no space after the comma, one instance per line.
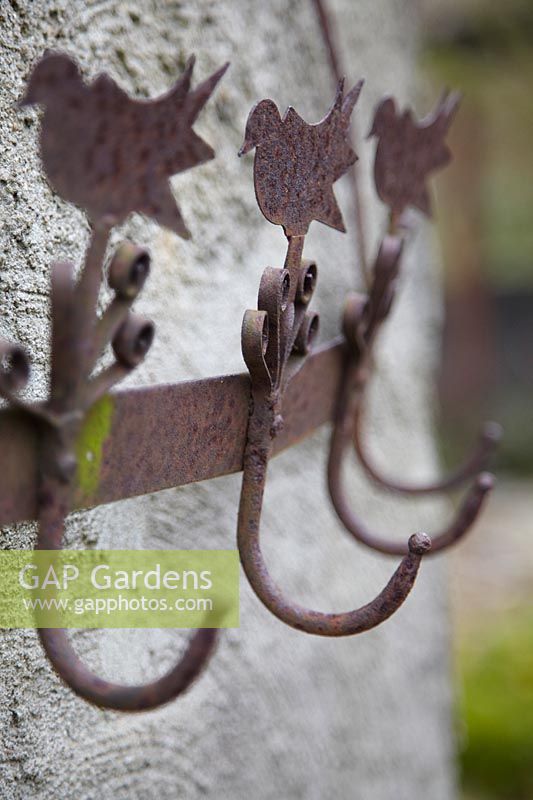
(124,152)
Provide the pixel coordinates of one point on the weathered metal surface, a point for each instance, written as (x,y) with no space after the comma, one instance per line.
(295,167)
(19,466)
(474,463)
(124,697)
(408,151)
(112,155)
(296,164)
(168,435)
(54,504)
(362,321)
(268,337)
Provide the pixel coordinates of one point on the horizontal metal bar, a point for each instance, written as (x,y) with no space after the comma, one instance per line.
(147,439)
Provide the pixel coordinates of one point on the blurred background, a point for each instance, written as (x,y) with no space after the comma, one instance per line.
(485,211)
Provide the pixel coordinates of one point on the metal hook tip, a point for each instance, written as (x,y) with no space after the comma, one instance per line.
(492,433)
(485,482)
(419,543)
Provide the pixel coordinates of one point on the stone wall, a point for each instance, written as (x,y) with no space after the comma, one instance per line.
(278,714)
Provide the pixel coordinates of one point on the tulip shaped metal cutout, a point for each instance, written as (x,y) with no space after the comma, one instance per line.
(306,160)
(111,155)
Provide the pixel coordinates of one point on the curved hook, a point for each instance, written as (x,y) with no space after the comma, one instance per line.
(362,320)
(72,670)
(121,697)
(283,325)
(77,341)
(342,437)
(361,323)
(476,461)
(315,622)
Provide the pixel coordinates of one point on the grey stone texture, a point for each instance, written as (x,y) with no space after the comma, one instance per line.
(278,714)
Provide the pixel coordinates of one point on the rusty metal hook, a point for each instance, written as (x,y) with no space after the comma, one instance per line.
(420,145)
(319,623)
(269,336)
(83,135)
(362,322)
(73,392)
(474,464)
(276,337)
(341,442)
(123,697)
(70,667)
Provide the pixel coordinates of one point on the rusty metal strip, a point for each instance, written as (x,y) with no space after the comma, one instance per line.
(199,425)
